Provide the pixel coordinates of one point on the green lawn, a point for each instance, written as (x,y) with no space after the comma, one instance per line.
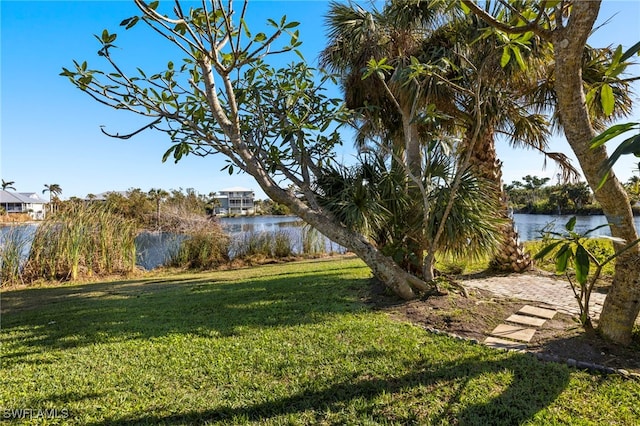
(278,344)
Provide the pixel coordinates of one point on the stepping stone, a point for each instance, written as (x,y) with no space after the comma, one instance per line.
(513,332)
(526,320)
(494,342)
(537,312)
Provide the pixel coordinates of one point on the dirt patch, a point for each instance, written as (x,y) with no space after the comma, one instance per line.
(475,316)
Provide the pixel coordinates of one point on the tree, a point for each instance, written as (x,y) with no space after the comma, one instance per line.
(566,25)
(430,56)
(54,190)
(157,195)
(275,124)
(8,185)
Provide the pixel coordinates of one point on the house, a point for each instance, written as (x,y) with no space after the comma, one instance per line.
(23,202)
(235,201)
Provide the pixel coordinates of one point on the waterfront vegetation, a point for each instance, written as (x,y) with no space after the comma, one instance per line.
(536,195)
(292,343)
(84,239)
(98,239)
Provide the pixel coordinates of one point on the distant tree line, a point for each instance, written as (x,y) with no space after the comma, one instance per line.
(534,195)
(159,209)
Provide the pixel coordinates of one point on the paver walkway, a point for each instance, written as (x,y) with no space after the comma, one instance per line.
(546,290)
(520,332)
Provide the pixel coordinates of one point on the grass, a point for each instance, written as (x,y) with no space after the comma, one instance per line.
(600,247)
(84,240)
(277,344)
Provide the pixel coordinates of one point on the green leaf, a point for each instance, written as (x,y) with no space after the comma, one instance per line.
(582,263)
(562,258)
(571,224)
(591,94)
(630,52)
(245,27)
(465,8)
(606,99)
(518,55)
(611,133)
(506,56)
(546,250)
(291,25)
(260,37)
(628,146)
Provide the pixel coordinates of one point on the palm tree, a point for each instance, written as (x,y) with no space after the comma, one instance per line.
(158,195)
(405,30)
(355,37)
(388,105)
(54,190)
(7,185)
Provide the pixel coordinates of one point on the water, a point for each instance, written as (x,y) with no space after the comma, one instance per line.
(153,249)
(530,225)
(233,225)
(238,227)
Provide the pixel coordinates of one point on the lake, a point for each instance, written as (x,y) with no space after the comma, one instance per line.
(153,249)
(530,225)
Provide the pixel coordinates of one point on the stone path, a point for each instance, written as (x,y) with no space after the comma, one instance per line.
(551,295)
(517,334)
(545,290)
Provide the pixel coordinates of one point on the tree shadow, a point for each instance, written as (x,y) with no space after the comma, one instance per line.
(533,387)
(140,309)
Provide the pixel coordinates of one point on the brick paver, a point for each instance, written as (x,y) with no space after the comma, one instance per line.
(495,342)
(526,320)
(513,332)
(549,290)
(538,312)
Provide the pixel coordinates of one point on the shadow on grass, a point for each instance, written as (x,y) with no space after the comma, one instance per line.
(534,387)
(210,306)
(140,309)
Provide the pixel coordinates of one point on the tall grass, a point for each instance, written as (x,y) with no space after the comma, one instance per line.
(261,245)
(313,242)
(202,249)
(82,240)
(13,244)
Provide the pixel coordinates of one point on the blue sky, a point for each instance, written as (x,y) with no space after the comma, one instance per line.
(50,131)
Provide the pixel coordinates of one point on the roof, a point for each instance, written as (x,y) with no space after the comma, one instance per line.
(20,197)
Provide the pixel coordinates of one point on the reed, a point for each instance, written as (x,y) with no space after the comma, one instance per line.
(313,242)
(13,245)
(202,249)
(82,240)
(250,245)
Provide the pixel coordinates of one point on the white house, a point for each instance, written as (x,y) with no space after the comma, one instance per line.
(23,202)
(236,200)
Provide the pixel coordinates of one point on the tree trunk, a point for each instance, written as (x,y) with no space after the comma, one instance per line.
(511,255)
(622,304)
(384,268)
